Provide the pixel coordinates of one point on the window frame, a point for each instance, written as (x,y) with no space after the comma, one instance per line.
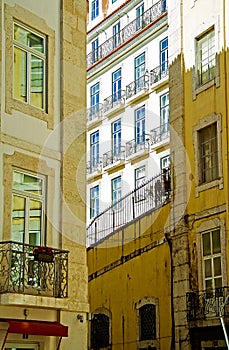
(95,97)
(94,149)
(205,226)
(164,54)
(140,124)
(202,123)
(116,85)
(35,23)
(94,9)
(31,52)
(28,196)
(95,50)
(94,209)
(139,71)
(116,191)
(116,138)
(144,344)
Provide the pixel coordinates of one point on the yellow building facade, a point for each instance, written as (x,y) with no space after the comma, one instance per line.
(43,270)
(184,273)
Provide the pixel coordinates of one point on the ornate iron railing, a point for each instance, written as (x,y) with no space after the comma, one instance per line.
(23,271)
(206,304)
(137,86)
(150,195)
(159,73)
(134,146)
(94,165)
(160,134)
(112,157)
(114,100)
(127,32)
(94,112)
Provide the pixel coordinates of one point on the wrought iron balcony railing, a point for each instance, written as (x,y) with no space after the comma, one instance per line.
(114,100)
(150,195)
(159,73)
(135,146)
(127,32)
(137,86)
(25,269)
(160,134)
(94,112)
(94,165)
(113,156)
(206,304)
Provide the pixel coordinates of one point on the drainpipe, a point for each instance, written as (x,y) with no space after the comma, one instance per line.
(169,241)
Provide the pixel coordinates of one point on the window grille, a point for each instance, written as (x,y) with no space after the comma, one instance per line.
(147,315)
(99,331)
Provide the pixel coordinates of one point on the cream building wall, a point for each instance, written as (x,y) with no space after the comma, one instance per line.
(48,142)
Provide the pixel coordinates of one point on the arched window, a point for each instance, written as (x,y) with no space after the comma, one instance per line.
(147,322)
(100,331)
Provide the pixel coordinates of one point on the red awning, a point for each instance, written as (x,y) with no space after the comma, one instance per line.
(36,327)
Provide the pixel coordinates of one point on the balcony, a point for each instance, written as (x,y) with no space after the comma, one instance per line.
(160,134)
(128,32)
(137,86)
(94,166)
(133,147)
(24,269)
(112,157)
(159,73)
(94,112)
(149,196)
(206,304)
(114,101)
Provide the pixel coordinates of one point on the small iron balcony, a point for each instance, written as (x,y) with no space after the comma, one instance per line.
(159,134)
(114,101)
(94,165)
(137,86)
(206,304)
(26,269)
(159,73)
(94,112)
(135,146)
(113,156)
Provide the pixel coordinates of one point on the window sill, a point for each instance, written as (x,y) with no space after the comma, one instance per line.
(208,185)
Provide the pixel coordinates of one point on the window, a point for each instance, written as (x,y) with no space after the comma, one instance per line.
(139,16)
(140,126)
(116,189)
(94,48)
(95,98)
(117,85)
(94,202)
(139,64)
(208,153)
(116,35)
(27,208)
(94,150)
(205,58)
(116,139)
(29,66)
(100,332)
(165,162)
(94,9)
(164,113)
(140,175)
(211,254)
(164,57)
(147,321)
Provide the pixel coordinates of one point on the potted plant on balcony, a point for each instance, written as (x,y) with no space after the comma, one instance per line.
(44,254)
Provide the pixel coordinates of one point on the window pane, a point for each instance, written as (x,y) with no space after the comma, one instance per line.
(208,284)
(206,244)
(29,39)
(216,241)
(27,183)
(18,219)
(20,73)
(208,268)
(147,315)
(218,282)
(35,222)
(217,266)
(37,76)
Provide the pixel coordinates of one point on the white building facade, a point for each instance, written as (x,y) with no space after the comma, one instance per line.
(127,101)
